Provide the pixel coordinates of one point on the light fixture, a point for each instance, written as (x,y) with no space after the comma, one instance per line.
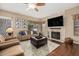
(31,6)
(35,6)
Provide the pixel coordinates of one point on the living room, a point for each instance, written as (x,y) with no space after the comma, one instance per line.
(27,30)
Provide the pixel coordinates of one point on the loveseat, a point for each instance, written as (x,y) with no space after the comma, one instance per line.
(10,47)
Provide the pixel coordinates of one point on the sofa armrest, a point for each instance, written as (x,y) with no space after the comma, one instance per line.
(9,43)
(10,38)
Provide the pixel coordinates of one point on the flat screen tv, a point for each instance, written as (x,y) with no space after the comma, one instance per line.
(57,21)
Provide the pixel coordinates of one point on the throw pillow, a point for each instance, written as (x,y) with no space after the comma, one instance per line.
(22,33)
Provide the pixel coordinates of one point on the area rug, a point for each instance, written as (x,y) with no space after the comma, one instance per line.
(30,50)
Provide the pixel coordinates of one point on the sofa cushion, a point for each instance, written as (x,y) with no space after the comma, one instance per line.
(12,51)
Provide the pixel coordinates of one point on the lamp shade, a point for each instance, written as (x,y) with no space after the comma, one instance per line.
(35,29)
(9,30)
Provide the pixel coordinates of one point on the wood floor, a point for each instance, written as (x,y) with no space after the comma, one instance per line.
(64,50)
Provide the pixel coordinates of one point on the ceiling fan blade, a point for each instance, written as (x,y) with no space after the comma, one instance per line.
(27,9)
(25,3)
(40,4)
(36,9)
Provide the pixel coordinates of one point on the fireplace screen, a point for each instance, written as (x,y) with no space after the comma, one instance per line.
(55,35)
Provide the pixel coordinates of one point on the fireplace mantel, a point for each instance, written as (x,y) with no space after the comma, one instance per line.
(60,30)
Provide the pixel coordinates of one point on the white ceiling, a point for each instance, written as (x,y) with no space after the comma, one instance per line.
(47,10)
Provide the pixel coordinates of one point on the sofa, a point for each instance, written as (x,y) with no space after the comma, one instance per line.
(10,47)
(22,36)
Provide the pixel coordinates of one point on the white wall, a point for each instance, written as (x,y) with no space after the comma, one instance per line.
(61,30)
(70,23)
(68,29)
(46,29)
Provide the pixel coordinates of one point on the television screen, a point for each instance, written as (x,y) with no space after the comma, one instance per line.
(57,21)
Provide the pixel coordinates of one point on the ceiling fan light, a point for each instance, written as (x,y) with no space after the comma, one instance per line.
(32,6)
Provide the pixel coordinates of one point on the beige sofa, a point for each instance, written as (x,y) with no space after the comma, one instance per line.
(12,51)
(23,37)
(11,47)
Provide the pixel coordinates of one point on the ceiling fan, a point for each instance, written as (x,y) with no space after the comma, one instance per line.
(35,6)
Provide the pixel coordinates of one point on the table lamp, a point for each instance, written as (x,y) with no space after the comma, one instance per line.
(10,31)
